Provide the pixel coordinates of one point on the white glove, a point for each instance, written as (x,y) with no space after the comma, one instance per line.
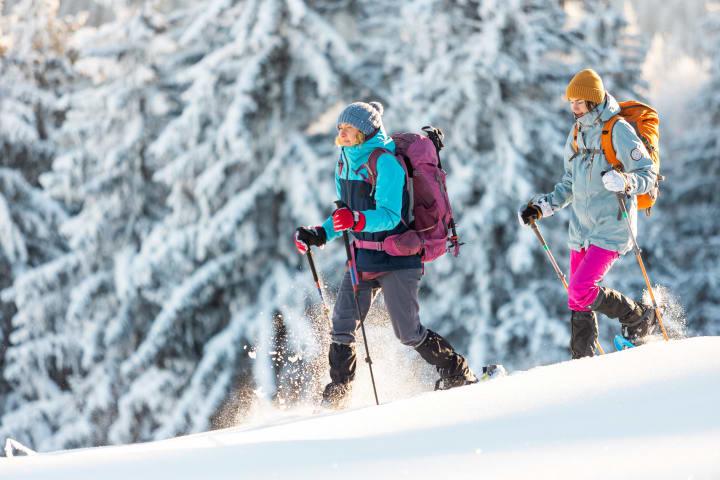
(615,181)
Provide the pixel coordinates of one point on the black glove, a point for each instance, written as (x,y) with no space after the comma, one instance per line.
(530,213)
(309,236)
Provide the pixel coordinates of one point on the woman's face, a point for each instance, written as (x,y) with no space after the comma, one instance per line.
(348,135)
(578,106)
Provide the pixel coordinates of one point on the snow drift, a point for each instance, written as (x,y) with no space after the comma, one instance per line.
(649,412)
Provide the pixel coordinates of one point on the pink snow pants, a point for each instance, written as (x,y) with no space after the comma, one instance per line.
(587,269)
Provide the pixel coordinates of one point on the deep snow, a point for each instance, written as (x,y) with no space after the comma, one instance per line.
(649,412)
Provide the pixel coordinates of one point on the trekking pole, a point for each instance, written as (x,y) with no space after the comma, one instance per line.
(353,277)
(555,265)
(311,261)
(638,256)
(550,256)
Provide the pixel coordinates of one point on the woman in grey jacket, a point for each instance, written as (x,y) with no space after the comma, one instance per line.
(597,234)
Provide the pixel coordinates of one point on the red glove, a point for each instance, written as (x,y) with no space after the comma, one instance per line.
(344,219)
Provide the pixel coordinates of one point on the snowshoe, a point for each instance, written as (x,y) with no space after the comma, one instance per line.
(446,383)
(488,372)
(622,343)
(493,371)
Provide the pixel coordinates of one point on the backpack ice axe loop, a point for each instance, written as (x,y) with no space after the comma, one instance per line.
(436,135)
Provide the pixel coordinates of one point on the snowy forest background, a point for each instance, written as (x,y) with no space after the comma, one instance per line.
(156,157)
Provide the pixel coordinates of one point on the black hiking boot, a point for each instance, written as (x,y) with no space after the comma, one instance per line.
(637,320)
(583,334)
(452,367)
(343,363)
(336,395)
(645,326)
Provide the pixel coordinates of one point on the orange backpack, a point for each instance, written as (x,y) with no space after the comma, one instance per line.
(646,123)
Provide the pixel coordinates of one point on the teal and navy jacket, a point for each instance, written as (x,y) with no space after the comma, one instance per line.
(595,219)
(385,205)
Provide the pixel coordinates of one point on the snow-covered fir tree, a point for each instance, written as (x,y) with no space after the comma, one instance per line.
(612,48)
(200,136)
(35,69)
(185,148)
(243,173)
(486,92)
(29,223)
(686,242)
(36,65)
(69,386)
(493,75)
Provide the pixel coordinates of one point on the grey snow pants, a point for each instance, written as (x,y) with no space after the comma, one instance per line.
(400,288)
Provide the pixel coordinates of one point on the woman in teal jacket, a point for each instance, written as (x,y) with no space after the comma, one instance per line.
(375,211)
(598,235)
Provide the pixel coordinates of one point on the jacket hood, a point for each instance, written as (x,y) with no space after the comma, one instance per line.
(602,113)
(359,154)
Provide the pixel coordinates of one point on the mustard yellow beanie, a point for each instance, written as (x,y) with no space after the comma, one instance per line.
(586,85)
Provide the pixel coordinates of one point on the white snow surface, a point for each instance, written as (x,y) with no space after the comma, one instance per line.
(645,413)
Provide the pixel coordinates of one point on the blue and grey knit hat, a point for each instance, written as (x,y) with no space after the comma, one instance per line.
(366,117)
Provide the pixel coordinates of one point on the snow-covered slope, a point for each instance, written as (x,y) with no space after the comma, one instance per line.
(651,412)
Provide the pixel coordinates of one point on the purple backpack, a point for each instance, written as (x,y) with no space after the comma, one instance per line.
(432,228)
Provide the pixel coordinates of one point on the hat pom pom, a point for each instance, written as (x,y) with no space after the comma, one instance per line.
(377,106)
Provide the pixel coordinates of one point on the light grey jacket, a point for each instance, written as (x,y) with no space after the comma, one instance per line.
(595,219)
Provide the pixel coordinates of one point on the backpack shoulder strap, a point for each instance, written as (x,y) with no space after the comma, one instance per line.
(606,142)
(341,165)
(372,163)
(575,134)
